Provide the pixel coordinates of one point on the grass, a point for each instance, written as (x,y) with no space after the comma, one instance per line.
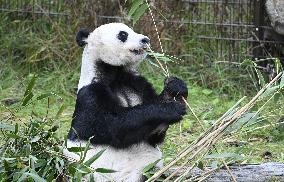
(39,48)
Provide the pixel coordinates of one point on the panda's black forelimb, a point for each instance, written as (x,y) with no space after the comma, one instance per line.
(99,114)
(118,126)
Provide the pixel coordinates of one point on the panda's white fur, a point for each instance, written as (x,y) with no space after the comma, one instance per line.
(129,163)
(103,44)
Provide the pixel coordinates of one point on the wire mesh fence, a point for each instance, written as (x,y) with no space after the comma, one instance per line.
(235,28)
(34,7)
(229,29)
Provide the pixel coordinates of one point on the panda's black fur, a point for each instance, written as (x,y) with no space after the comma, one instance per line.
(81,35)
(100,115)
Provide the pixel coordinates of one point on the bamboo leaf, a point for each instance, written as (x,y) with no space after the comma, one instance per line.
(269,91)
(86,150)
(78,176)
(92,179)
(94,158)
(247,62)
(84,170)
(60,111)
(247,118)
(161,56)
(150,166)
(42,96)
(30,85)
(76,149)
(200,165)
(139,13)
(104,170)
(207,91)
(253,120)
(278,65)
(11,135)
(154,64)
(261,80)
(16,128)
(72,169)
(134,6)
(27,98)
(65,140)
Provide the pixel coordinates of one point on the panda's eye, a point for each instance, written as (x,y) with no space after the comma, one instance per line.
(122,36)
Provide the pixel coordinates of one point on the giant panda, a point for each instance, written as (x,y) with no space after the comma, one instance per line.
(116,108)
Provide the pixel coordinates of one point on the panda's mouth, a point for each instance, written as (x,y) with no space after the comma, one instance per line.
(138,51)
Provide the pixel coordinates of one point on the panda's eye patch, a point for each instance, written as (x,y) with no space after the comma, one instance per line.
(122,36)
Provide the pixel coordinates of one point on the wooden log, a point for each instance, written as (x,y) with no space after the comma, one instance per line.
(265,172)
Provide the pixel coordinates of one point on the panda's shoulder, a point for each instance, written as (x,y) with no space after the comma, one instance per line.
(90,91)
(91,88)
(96,93)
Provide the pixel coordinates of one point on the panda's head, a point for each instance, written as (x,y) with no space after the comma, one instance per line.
(113,43)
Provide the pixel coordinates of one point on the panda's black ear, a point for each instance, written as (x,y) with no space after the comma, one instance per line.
(81,37)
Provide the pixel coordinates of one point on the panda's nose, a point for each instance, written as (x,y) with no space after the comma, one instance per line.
(145,40)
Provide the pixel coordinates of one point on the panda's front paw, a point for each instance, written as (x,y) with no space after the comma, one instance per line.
(175,89)
(174,111)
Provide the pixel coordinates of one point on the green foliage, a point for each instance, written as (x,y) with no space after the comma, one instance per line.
(33,151)
(137,10)
(78,169)
(149,170)
(161,57)
(150,166)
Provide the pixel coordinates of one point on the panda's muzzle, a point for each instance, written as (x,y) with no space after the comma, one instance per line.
(139,51)
(145,44)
